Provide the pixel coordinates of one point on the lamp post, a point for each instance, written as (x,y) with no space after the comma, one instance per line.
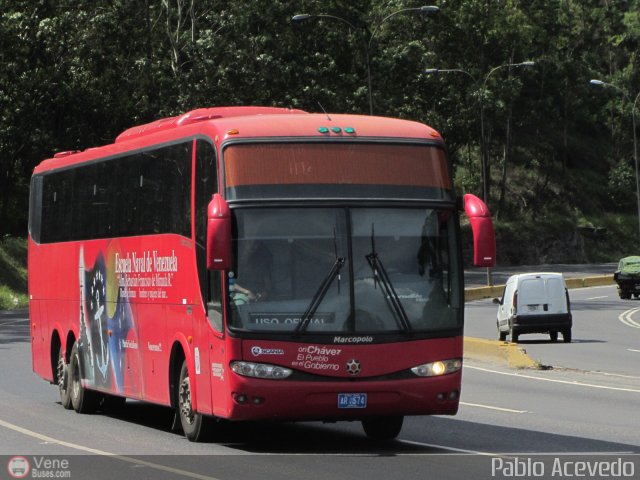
(600,83)
(437,71)
(427,9)
(485,158)
(483,148)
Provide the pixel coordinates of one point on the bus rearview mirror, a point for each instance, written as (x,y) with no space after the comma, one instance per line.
(219,255)
(484,237)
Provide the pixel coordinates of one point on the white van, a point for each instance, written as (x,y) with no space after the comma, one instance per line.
(534,303)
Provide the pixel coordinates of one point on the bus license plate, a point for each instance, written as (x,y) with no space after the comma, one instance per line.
(352,400)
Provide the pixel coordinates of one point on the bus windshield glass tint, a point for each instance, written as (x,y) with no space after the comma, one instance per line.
(344,270)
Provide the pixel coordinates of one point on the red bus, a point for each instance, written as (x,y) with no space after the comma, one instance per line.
(249,263)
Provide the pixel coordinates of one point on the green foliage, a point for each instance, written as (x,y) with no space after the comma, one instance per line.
(622,186)
(77,73)
(13,273)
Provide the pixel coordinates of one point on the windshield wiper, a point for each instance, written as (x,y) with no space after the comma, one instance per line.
(380,276)
(320,294)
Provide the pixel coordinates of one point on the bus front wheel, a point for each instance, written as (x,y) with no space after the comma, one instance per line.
(383,428)
(193,423)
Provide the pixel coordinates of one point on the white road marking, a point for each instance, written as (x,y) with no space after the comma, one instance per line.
(635,377)
(633,350)
(452,449)
(625,317)
(45,439)
(574,383)
(489,407)
(597,298)
(14,322)
(124,458)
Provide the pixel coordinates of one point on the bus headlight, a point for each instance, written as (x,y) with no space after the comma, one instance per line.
(435,369)
(260,370)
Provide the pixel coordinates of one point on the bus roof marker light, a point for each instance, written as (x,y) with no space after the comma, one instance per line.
(323,130)
(233,132)
(349,130)
(336,129)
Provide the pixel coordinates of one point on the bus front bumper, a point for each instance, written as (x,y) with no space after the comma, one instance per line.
(254,399)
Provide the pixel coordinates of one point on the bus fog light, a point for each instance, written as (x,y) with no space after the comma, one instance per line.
(239,398)
(436,369)
(260,370)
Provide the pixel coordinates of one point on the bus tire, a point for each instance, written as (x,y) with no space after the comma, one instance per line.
(383,428)
(62,378)
(193,423)
(83,400)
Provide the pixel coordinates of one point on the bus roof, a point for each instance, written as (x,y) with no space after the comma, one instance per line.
(246,122)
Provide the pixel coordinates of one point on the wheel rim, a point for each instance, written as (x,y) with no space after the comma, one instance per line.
(186,412)
(75,381)
(62,375)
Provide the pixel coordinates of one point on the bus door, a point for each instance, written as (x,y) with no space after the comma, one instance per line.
(214,359)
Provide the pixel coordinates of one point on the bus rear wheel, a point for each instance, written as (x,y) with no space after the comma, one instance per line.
(83,400)
(62,377)
(383,428)
(193,423)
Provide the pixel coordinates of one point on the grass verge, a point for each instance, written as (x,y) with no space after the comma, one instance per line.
(13,273)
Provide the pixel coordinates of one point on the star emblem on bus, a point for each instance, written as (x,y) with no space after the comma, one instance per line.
(353,367)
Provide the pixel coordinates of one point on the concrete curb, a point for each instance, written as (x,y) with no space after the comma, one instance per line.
(478,293)
(503,352)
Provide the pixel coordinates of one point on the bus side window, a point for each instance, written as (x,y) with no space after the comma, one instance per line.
(214,301)
(206,184)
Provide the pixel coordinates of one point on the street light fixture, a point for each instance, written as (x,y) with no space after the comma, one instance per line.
(436,71)
(600,83)
(426,9)
(485,157)
(483,147)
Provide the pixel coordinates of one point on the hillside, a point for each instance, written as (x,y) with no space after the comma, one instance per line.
(13,273)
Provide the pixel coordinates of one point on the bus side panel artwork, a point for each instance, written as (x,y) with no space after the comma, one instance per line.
(125,288)
(106,324)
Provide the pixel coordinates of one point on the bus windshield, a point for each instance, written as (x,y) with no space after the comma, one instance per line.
(344,270)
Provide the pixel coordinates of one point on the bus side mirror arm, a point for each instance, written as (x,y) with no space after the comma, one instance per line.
(484,237)
(219,256)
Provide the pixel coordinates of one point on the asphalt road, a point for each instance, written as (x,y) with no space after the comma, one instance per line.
(606,333)
(506,415)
